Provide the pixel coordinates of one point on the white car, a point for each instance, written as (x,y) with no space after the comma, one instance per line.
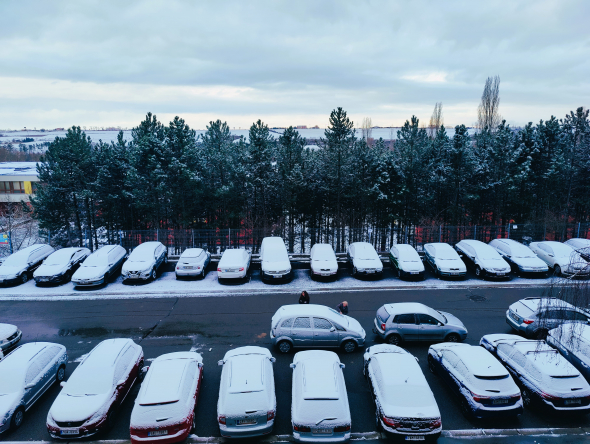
(60,265)
(247,402)
(100,266)
(406,261)
(192,263)
(274,260)
(9,337)
(319,403)
(562,258)
(444,260)
(143,262)
(25,374)
(18,267)
(483,259)
(582,246)
(405,404)
(322,261)
(234,264)
(364,260)
(165,406)
(573,342)
(519,256)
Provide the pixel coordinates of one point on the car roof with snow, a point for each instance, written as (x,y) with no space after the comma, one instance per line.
(558,248)
(535,303)
(478,360)
(319,368)
(65,253)
(273,241)
(307,310)
(322,251)
(247,350)
(408,307)
(145,248)
(441,249)
(18,360)
(104,251)
(568,330)
(191,252)
(105,354)
(578,242)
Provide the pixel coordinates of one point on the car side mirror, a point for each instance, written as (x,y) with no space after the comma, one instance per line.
(143,372)
(440,324)
(417,360)
(292,365)
(273,359)
(29,386)
(333,329)
(62,384)
(221,362)
(121,382)
(200,364)
(342,365)
(550,255)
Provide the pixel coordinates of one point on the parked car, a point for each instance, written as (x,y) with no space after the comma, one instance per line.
(322,261)
(247,403)
(19,267)
(444,260)
(520,257)
(60,265)
(9,337)
(143,262)
(582,246)
(318,326)
(573,342)
(534,317)
(406,262)
(88,401)
(483,259)
(412,321)
(234,264)
(319,403)
(274,260)
(100,266)
(546,379)
(164,410)
(405,405)
(25,375)
(364,260)
(483,385)
(192,262)
(562,258)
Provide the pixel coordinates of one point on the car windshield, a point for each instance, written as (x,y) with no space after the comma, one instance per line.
(58,258)
(16,260)
(277,255)
(342,317)
(366,253)
(95,260)
(10,383)
(80,384)
(437,315)
(445,254)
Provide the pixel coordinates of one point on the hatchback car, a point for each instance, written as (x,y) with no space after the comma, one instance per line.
(406,262)
(322,261)
(247,402)
(563,259)
(573,342)
(88,401)
(9,337)
(405,404)
(19,267)
(100,266)
(59,266)
(317,326)
(319,403)
(412,321)
(274,260)
(164,410)
(484,260)
(192,262)
(534,317)
(483,385)
(520,257)
(144,261)
(546,379)
(364,260)
(582,246)
(444,260)
(25,374)
(234,264)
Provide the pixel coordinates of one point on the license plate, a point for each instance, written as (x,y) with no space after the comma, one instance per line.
(370,271)
(454,272)
(43,279)
(278,276)
(415,438)
(573,402)
(322,431)
(513,316)
(246,421)
(230,270)
(500,401)
(188,268)
(325,274)
(158,432)
(70,432)
(414,272)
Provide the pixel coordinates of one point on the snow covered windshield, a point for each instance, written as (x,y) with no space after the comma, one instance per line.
(58,258)
(367,253)
(445,254)
(16,260)
(95,260)
(10,383)
(275,256)
(80,384)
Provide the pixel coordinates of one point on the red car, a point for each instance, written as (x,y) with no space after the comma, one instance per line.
(88,401)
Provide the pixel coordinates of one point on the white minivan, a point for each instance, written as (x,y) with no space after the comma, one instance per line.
(322,261)
(274,260)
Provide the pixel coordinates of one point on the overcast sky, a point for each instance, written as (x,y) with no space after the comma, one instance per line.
(103,63)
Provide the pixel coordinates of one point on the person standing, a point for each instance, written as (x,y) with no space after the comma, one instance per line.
(343,307)
(304,298)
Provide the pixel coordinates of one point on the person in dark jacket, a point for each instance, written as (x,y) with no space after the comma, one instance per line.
(343,308)
(304,298)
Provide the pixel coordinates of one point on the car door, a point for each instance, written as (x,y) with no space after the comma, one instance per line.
(48,365)
(546,253)
(324,333)
(301,332)
(430,328)
(448,362)
(122,379)
(407,326)
(394,257)
(32,383)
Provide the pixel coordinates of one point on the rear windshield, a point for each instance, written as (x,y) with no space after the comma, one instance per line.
(382,315)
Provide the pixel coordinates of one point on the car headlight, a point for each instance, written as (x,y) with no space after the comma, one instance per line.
(147,270)
(360,269)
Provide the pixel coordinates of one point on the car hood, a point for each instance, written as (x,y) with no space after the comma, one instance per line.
(68,408)
(8,403)
(49,270)
(452,320)
(446,264)
(89,273)
(7,330)
(411,265)
(137,265)
(529,262)
(367,263)
(10,271)
(499,264)
(276,266)
(326,265)
(354,325)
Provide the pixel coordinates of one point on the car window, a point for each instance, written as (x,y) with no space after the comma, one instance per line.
(467,249)
(450,357)
(46,357)
(321,324)
(113,256)
(339,327)
(404,319)
(287,323)
(518,358)
(429,249)
(462,369)
(571,315)
(189,378)
(123,365)
(32,372)
(394,252)
(302,323)
(545,248)
(426,319)
(382,315)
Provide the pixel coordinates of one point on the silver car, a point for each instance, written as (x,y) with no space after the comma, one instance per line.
(192,263)
(315,326)
(9,337)
(144,261)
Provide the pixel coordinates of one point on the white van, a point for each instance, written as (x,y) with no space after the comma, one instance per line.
(274,260)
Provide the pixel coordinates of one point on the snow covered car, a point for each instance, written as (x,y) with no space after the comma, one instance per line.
(143,262)
(520,257)
(582,246)
(247,402)
(545,378)
(60,265)
(274,260)
(534,317)
(406,262)
(563,259)
(364,260)
(9,337)
(483,259)
(573,342)
(322,261)
(444,260)
(164,410)
(405,404)
(88,401)
(18,267)
(484,387)
(412,321)
(25,374)
(100,266)
(234,264)
(192,263)
(319,404)
(317,326)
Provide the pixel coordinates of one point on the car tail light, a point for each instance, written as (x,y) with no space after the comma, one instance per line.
(241,268)
(383,326)
(177,267)
(528,321)
(270,415)
(299,428)
(435,424)
(199,267)
(219,270)
(340,429)
(391,422)
(221,419)
(549,397)
(479,398)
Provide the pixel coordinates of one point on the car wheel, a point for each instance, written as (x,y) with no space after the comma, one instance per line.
(478,272)
(540,334)
(166,259)
(154,275)
(349,346)
(61,374)
(24,278)
(465,408)
(452,337)
(431,365)
(354,271)
(17,418)
(527,398)
(394,339)
(285,346)
(557,271)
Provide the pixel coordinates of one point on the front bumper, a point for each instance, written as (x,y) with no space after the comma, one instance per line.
(10,281)
(497,274)
(88,282)
(10,344)
(453,274)
(137,277)
(276,276)
(418,275)
(55,432)
(246,431)
(40,280)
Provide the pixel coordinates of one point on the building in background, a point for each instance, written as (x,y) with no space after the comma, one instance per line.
(18,180)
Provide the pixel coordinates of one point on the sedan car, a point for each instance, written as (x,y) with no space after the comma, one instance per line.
(9,337)
(546,379)
(405,404)
(88,401)
(18,267)
(563,259)
(319,403)
(412,321)
(318,326)
(364,260)
(164,410)
(100,266)
(322,261)
(520,257)
(144,261)
(274,260)
(573,342)
(192,262)
(582,246)
(247,403)
(234,264)
(60,265)
(483,259)
(25,374)
(484,387)
(406,261)
(444,260)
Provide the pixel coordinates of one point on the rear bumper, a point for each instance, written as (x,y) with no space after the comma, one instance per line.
(189,273)
(397,434)
(246,431)
(166,439)
(310,437)
(483,412)
(231,275)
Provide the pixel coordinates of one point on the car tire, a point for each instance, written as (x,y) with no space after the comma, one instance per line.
(465,408)
(527,397)
(540,334)
(557,271)
(60,375)
(394,339)
(354,272)
(452,337)
(154,274)
(17,418)
(166,259)
(24,278)
(285,346)
(478,272)
(431,365)
(349,346)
